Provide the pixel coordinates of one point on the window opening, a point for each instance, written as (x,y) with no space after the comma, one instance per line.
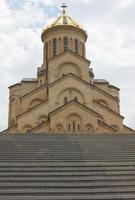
(46,48)
(83,49)
(65,43)
(54,47)
(74,125)
(76,46)
(76,98)
(69,127)
(40,82)
(78,127)
(65,99)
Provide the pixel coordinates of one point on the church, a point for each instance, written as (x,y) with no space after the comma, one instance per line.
(65,97)
(66,139)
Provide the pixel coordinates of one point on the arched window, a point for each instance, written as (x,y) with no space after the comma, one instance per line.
(46,50)
(76,46)
(65,43)
(76,98)
(65,100)
(54,47)
(89,128)
(40,82)
(74,123)
(74,127)
(59,128)
(69,127)
(83,49)
(78,127)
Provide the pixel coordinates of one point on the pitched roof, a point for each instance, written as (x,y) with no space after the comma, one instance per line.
(67,166)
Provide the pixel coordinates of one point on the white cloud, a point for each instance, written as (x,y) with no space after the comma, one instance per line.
(111,43)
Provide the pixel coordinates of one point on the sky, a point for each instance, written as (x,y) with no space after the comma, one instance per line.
(110,25)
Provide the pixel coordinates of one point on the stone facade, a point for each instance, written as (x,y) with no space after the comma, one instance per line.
(65,97)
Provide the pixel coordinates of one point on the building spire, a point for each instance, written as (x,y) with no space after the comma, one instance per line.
(64,6)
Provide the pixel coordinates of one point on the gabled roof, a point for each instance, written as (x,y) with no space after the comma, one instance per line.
(79,104)
(76,103)
(68,51)
(84,82)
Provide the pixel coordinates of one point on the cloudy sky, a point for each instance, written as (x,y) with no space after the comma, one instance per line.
(110,25)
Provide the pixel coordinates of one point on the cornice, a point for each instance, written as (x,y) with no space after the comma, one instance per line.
(40,125)
(104,124)
(108,109)
(31,109)
(33,91)
(129,128)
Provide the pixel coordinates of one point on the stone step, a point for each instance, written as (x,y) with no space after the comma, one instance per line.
(67,160)
(64,150)
(69,183)
(66,191)
(68,173)
(69,197)
(55,166)
(66,168)
(69,164)
(58,156)
(86,197)
(68,178)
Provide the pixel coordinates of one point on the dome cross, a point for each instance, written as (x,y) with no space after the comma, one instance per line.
(64,6)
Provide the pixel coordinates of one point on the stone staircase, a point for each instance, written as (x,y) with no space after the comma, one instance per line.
(67,167)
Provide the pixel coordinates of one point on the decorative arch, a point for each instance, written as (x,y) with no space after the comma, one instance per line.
(67,68)
(103,102)
(42,119)
(74,123)
(27,128)
(89,128)
(35,102)
(115,127)
(12,122)
(12,99)
(59,128)
(70,94)
(101,118)
(12,110)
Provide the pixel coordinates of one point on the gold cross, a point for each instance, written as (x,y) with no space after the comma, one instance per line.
(64,6)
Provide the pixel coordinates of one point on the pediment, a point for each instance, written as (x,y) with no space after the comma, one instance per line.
(68,55)
(72,105)
(70,76)
(73,114)
(68,62)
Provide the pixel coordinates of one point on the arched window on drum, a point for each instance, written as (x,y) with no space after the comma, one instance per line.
(65,43)
(76,46)
(54,47)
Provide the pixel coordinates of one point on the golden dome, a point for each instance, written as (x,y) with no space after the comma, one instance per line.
(65,20)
